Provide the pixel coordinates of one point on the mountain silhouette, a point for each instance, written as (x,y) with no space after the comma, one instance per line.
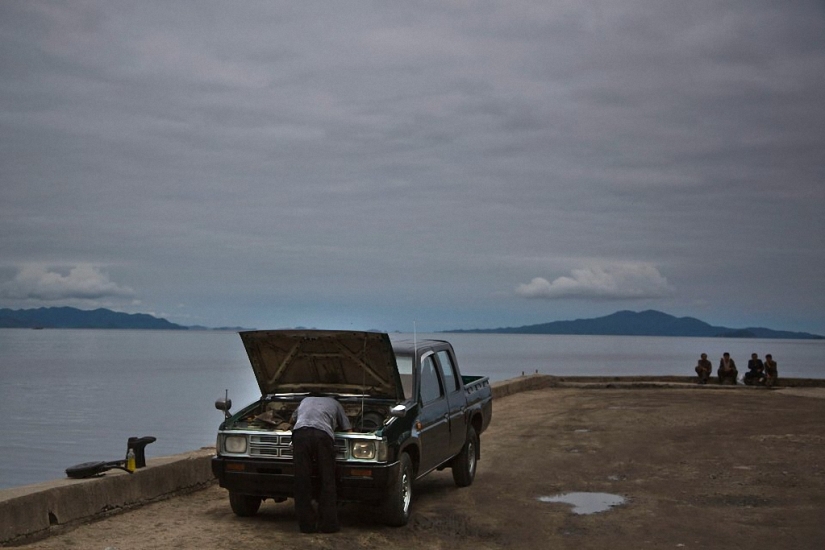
(644,323)
(69,317)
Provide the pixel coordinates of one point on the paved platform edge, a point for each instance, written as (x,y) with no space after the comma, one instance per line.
(34,512)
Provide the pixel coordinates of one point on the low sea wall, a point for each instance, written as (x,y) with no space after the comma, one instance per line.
(36,511)
(540,381)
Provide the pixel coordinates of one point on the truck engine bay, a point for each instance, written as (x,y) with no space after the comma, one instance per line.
(274,415)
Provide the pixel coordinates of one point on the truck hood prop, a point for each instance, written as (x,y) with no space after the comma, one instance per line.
(323,361)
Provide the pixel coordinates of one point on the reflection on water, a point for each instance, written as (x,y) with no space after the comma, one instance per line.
(587,503)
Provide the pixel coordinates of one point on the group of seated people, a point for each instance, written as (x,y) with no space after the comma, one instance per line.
(759,372)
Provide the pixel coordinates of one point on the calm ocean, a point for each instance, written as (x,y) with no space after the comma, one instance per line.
(72,396)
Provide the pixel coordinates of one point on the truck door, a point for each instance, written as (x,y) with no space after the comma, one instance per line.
(456,401)
(434,417)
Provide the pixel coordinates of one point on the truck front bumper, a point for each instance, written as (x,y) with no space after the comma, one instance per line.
(361,482)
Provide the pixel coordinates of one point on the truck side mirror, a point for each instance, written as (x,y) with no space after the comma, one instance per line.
(224,405)
(398,411)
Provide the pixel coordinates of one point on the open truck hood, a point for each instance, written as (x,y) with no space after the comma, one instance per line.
(323,361)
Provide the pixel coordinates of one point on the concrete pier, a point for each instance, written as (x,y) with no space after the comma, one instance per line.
(36,511)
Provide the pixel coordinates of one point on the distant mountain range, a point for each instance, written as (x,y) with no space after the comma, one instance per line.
(644,323)
(69,317)
(621,323)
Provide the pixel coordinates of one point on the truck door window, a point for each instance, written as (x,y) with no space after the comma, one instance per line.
(405,371)
(430,384)
(447,371)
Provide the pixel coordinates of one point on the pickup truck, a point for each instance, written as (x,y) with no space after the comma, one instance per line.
(411,410)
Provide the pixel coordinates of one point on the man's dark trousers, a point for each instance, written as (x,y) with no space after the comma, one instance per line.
(310,445)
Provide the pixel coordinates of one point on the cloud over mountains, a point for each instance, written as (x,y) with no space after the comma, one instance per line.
(610,282)
(49,284)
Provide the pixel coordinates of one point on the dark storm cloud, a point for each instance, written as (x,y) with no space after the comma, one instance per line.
(278,164)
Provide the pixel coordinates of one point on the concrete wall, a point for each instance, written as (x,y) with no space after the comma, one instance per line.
(524,383)
(540,381)
(34,511)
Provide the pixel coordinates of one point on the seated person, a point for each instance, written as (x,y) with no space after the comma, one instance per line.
(771,371)
(703,369)
(727,369)
(756,371)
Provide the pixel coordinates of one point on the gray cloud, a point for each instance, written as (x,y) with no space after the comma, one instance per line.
(271,165)
(82,282)
(611,282)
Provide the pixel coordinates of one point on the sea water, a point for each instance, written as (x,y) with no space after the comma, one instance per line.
(72,396)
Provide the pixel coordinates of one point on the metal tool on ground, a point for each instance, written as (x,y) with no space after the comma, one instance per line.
(136,447)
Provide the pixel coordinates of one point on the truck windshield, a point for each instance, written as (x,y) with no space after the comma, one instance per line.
(405,370)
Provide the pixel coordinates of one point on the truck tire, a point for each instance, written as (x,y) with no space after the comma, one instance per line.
(244,505)
(464,464)
(398,503)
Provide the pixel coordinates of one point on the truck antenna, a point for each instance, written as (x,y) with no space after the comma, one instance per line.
(415,341)
(363,382)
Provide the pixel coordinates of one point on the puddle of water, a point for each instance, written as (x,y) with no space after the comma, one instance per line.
(587,503)
(581,431)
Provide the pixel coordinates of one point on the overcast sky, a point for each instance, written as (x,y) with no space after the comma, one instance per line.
(454,164)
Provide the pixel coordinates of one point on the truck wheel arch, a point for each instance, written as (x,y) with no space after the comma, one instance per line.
(477,422)
(411,449)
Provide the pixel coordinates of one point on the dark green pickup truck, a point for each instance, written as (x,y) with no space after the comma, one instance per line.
(411,410)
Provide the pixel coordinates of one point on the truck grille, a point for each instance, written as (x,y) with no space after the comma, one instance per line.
(340,449)
(281,446)
(271,445)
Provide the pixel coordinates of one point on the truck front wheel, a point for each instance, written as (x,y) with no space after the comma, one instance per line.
(464,464)
(244,505)
(397,505)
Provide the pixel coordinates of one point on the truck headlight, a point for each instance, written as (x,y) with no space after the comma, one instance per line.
(364,450)
(235,444)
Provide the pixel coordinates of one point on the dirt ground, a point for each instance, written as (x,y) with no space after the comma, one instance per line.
(698,468)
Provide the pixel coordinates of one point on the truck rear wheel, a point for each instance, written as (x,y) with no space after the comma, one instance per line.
(244,505)
(464,464)
(397,505)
